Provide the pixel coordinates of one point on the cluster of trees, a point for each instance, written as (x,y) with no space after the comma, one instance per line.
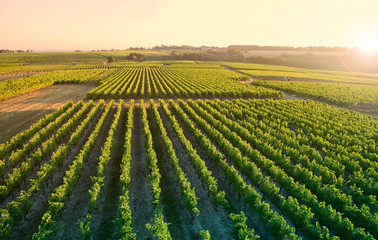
(339,59)
(137,48)
(306,60)
(186,47)
(111,59)
(287,48)
(137,57)
(17,51)
(209,55)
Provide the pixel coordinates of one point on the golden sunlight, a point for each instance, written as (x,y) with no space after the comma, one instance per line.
(368,44)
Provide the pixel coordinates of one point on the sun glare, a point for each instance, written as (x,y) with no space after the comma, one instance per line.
(368,45)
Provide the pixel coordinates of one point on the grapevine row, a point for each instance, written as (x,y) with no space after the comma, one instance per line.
(98,181)
(59,196)
(16,209)
(344,225)
(276,223)
(123,222)
(159,227)
(187,192)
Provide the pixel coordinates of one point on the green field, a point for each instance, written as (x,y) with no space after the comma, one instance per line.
(280,72)
(340,94)
(184,150)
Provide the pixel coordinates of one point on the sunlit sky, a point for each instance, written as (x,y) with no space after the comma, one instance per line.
(120,24)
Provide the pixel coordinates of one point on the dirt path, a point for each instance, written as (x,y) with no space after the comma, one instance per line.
(252,78)
(102,219)
(249,81)
(20,112)
(294,97)
(140,187)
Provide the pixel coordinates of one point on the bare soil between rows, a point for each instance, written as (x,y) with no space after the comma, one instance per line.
(7,76)
(20,112)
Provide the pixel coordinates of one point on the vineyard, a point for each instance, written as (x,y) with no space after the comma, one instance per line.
(261,71)
(146,82)
(184,169)
(339,88)
(340,94)
(12,87)
(184,150)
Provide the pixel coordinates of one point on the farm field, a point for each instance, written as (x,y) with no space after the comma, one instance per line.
(19,113)
(271,71)
(336,93)
(195,79)
(13,87)
(183,150)
(167,83)
(292,170)
(339,88)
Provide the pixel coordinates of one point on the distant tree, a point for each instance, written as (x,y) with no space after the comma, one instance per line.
(136,57)
(175,53)
(6,51)
(111,59)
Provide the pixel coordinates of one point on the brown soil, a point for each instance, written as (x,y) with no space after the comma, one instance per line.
(102,219)
(20,112)
(249,81)
(181,221)
(140,188)
(7,76)
(365,109)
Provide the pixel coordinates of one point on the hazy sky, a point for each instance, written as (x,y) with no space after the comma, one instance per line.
(119,24)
